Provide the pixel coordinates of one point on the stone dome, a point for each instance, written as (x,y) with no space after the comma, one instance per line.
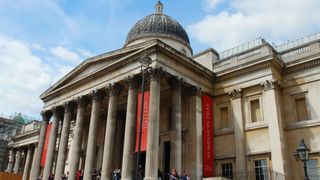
(158,25)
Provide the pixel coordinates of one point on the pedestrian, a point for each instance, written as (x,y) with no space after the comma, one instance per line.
(81,175)
(78,174)
(174,175)
(116,174)
(185,176)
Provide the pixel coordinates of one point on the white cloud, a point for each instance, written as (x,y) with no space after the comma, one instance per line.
(65,54)
(23,77)
(212,4)
(275,20)
(85,53)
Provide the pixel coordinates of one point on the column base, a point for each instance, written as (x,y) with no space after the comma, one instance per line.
(150,178)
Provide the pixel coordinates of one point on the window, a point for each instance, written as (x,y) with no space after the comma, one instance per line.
(255,111)
(224,117)
(226,170)
(301,109)
(313,168)
(261,169)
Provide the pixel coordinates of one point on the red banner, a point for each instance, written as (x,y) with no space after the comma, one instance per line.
(207,136)
(145,120)
(45,146)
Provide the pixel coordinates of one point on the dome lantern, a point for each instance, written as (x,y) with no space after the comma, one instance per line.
(159,8)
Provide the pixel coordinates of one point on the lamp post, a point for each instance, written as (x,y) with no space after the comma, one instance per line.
(145,62)
(303,154)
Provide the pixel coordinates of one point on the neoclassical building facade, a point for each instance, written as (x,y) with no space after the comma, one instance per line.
(239,114)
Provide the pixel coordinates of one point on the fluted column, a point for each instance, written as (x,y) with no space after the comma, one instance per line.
(12,154)
(109,143)
(130,129)
(57,115)
(35,169)
(151,171)
(176,141)
(17,161)
(238,134)
(27,164)
(93,129)
(63,145)
(76,143)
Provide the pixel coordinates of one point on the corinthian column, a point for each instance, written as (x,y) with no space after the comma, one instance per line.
(238,134)
(151,172)
(12,154)
(176,143)
(130,128)
(93,129)
(63,145)
(17,162)
(57,115)
(76,144)
(195,110)
(27,163)
(273,117)
(35,169)
(114,91)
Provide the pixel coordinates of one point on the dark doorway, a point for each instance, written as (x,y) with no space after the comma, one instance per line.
(142,165)
(166,159)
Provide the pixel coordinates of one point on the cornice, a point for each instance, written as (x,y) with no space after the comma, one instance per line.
(26,135)
(247,70)
(302,66)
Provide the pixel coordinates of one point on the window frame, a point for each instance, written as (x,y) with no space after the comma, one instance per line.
(249,100)
(219,107)
(226,161)
(300,96)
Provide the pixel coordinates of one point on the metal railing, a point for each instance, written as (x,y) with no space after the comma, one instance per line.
(241,48)
(266,174)
(298,42)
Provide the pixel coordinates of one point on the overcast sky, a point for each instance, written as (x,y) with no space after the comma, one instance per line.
(42,40)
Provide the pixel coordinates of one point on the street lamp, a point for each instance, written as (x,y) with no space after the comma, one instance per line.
(145,62)
(303,154)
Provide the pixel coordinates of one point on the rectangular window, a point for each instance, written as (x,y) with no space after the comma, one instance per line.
(226,170)
(224,117)
(313,168)
(301,109)
(261,169)
(255,111)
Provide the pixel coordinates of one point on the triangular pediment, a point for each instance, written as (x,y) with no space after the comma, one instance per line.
(92,65)
(95,66)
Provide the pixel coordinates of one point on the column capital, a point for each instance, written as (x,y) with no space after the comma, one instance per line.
(82,101)
(114,89)
(57,111)
(46,115)
(175,83)
(97,95)
(133,81)
(235,93)
(194,91)
(156,74)
(270,84)
(68,107)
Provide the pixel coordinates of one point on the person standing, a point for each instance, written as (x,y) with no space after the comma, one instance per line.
(185,176)
(174,175)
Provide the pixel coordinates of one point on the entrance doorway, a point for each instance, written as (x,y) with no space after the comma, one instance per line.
(142,164)
(166,160)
